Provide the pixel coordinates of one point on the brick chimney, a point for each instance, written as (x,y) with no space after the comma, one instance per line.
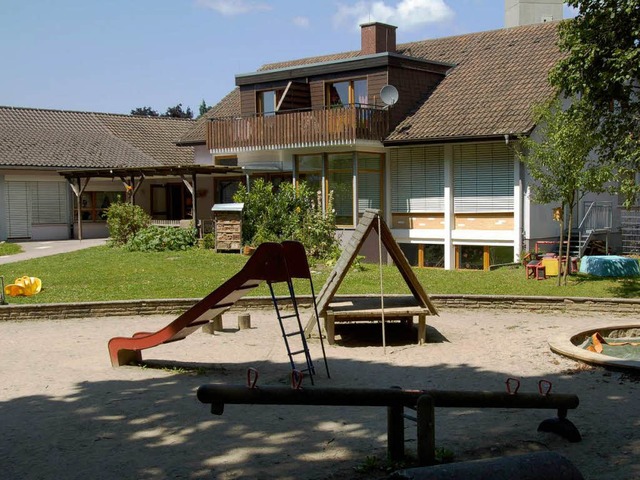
(377,38)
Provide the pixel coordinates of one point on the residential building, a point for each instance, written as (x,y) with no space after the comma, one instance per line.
(36,202)
(438,158)
(425,131)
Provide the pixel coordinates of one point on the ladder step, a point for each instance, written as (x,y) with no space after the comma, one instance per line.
(291,334)
(297,352)
(293,315)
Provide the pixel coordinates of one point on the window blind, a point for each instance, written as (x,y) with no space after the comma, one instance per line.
(417,179)
(49,202)
(483,178)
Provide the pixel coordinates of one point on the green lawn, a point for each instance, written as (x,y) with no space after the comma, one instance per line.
(103,273)
(9,248)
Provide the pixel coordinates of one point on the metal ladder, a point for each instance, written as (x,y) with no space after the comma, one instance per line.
(298,267)
(293,331)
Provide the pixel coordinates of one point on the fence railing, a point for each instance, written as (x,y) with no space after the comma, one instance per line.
(598,216)
(298,128)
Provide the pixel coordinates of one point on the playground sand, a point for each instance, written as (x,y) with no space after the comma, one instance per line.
(66,413)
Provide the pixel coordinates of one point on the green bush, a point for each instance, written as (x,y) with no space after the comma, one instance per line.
(291,213)
(208,241)
(125,221)
(158,239)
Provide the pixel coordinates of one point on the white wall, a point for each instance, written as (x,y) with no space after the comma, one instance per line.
(527,12)
(201,155)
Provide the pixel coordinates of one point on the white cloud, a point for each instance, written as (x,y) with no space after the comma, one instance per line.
(406,13)
(233,7)
(302,22)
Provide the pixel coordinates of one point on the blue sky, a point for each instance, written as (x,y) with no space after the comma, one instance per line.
(115,55)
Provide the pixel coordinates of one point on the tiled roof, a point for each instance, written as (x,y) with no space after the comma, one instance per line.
(227,107)
(498,77)
(65,139)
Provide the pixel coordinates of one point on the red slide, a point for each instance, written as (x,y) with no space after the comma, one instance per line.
(266,264)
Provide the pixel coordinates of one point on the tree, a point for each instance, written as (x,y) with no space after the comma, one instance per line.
(144,112)
(177,112)
(288,213)
(602,70)
(204,108)
(561,163)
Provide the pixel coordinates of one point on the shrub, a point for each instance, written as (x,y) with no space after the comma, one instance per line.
(209,241)
(158,239)
(291,213)
(125,221)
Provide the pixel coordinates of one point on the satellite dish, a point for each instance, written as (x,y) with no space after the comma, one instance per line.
(389,95)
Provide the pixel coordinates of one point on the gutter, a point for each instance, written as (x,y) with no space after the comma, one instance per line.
(463,139)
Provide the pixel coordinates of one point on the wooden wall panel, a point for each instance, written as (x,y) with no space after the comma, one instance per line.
(298,97)
(419,221)
(247,101)
(317,94)
(483,221)
(375,82)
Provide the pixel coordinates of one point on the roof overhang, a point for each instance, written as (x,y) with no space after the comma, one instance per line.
(377,60)
(505,137)
(164,171)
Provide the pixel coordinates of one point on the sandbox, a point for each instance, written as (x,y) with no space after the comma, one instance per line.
(573,346)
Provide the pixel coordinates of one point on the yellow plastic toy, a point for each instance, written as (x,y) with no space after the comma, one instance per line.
(26,286)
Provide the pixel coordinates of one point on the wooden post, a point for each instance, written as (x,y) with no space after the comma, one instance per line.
(244,321)
(217,323)
(214,326)
(422,328)
(395,432)
(426,431)
(330,327)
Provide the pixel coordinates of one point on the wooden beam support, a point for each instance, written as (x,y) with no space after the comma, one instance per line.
(78,189)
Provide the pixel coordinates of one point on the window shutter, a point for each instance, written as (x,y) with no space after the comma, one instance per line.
(368,191)
(18,211)
(49,202)
(483,178)
(369,181)
(417,179)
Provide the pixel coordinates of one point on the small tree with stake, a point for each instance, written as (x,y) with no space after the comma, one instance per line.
(561,164)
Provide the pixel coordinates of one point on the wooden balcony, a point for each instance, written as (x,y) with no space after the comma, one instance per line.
(298,128)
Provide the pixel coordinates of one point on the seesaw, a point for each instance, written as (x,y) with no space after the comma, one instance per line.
(396,399)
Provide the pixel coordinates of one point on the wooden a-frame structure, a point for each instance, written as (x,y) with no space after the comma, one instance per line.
(368,222)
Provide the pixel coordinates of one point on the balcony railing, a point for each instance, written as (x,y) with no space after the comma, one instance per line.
(298,128)
(598,216)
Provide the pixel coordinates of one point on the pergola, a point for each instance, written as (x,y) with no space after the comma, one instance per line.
(132,178)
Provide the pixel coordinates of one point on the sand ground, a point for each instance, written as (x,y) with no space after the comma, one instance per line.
(66,413)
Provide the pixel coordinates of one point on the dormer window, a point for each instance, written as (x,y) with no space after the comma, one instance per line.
(349,92)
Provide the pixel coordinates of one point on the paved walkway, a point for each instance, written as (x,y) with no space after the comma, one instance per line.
(51,247)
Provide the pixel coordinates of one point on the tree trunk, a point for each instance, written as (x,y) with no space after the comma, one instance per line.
(567,262)
(561,223)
